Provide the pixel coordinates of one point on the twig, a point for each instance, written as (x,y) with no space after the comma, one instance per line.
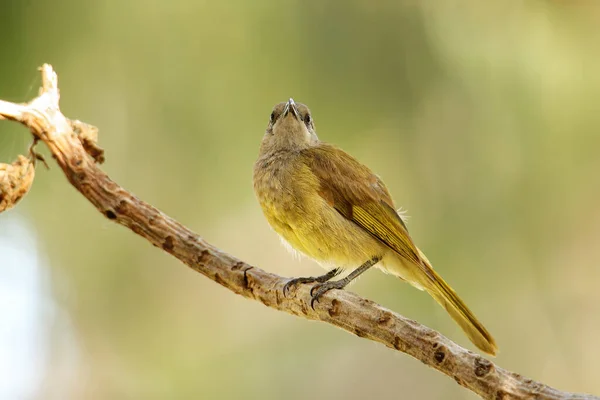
(73,145)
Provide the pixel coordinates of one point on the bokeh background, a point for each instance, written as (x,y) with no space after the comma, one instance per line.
(482,117)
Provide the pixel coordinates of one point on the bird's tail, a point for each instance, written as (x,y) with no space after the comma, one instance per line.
(424,277)
(458,310)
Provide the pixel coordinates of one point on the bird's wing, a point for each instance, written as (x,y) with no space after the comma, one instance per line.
(361,197)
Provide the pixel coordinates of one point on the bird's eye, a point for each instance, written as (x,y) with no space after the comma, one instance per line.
(307,119)
(272,116)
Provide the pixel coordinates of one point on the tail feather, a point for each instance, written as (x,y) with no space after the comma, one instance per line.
(424,277)
(460,313)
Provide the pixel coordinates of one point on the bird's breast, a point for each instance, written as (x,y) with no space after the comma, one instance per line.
(289,197)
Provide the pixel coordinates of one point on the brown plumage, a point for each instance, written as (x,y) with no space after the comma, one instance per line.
(333,209)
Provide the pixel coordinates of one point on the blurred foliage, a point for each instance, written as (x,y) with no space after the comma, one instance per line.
(481,117)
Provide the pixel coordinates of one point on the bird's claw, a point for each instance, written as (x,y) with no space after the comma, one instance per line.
(296,281)
(320,289)
(309,279)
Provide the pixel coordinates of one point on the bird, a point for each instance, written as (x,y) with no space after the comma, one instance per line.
(326,205)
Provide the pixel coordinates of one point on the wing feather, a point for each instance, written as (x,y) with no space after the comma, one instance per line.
(361,197)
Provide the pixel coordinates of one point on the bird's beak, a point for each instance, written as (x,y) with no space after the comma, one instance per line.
(290,106)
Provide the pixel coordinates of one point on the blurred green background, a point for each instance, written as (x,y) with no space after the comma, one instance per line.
(482,117)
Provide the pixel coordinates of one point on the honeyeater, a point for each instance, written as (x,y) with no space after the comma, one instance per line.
(328,206)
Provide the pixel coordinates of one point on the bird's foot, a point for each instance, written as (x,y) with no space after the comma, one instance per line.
(309,279)
(297,281)
(321,288)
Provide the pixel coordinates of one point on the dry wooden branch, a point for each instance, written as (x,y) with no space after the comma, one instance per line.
(73,145)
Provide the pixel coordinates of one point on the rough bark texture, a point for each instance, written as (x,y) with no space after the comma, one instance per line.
(73,145)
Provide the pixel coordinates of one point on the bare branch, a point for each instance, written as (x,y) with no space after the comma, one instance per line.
(72,144)
(15,181)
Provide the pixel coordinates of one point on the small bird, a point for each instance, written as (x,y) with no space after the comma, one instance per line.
(328,206)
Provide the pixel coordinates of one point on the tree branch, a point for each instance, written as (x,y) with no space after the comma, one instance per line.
(73,145)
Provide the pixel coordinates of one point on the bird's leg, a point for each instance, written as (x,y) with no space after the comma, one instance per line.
(310,279)
(320,288)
